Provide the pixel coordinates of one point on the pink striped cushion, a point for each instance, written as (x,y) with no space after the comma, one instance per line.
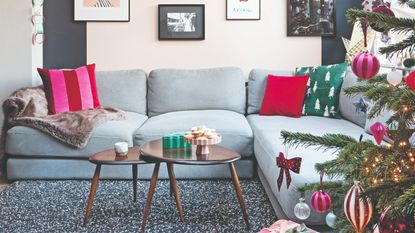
(70,90)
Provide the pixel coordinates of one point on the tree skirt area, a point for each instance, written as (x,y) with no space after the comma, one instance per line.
(59,206)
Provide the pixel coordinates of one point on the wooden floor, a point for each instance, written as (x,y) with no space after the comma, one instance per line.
(3,184)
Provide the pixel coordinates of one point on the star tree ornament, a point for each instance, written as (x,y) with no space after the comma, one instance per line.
(361,106)
(394,77)
(379,131)
(302,210)
(357,208)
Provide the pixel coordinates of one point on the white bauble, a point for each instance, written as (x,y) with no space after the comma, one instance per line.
(301,210)
(331,219)
(394,77)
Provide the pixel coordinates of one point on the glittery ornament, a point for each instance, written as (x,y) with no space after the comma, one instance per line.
(302,210)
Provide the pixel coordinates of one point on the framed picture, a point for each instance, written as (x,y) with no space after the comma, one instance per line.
(311,18)
(182,22)
(102,10)
(243,9)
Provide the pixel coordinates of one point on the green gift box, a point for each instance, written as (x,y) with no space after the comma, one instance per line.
(176,140)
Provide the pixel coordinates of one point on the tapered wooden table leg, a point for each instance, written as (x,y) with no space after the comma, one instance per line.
(173,184)
(135,177)
(153,183)
(94,185)
(237,185)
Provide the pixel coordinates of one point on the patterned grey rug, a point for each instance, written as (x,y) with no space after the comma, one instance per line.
(59,206)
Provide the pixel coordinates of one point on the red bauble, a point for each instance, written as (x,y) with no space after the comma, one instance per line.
(384,10)
(410,80)
(321,201)
(358,209)
(400,225)
(365,65)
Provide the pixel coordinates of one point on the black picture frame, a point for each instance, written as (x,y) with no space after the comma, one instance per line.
(230,19)
(181,22)
(299,25)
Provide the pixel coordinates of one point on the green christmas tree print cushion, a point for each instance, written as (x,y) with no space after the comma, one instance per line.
(323,89)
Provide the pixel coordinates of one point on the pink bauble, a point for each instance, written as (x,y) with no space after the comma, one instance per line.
(400,225)
(358,209)
(384,10)
(365,65)
(321,201)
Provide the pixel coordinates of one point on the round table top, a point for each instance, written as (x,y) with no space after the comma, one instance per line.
(153,151)
(108,157)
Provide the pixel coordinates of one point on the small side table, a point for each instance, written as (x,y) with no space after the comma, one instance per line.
(108,157)
(153,152)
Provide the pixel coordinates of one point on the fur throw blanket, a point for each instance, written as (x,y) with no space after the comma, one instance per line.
(29,107)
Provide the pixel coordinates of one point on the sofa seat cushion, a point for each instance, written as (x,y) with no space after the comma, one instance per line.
(30,142)
(268,143)
(235,130)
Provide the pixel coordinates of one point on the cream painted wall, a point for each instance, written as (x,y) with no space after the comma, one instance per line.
(15,47)
(246,44)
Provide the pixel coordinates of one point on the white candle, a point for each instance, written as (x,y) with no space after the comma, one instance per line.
(121,148)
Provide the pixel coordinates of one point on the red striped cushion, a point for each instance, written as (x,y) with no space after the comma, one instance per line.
(70,90)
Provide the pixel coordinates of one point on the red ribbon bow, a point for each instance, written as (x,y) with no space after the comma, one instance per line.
(286,165)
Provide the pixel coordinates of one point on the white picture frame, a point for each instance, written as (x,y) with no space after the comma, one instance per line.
(102,10)
(243,9)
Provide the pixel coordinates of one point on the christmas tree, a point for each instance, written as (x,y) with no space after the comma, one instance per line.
(386,172)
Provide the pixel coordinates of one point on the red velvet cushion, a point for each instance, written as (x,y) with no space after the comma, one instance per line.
(284,96)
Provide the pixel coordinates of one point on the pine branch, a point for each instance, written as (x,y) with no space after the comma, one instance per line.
(325,142)
(406,202)
(406,45)
(383,21)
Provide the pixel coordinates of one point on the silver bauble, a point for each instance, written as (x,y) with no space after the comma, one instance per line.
(302,210)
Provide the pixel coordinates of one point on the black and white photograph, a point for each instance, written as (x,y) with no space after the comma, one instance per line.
(181,22)
(311,18)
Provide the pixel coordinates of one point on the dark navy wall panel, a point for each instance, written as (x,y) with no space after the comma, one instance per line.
(332,47)
(65,45)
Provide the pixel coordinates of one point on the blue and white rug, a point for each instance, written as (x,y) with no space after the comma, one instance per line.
(59,206)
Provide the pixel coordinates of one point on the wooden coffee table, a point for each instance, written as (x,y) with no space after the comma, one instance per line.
(153,152)
(108,158)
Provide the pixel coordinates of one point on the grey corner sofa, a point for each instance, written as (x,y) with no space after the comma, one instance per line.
(170,100)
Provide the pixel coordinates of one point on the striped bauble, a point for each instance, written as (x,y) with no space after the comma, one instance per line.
(321,201)
(365,65)
(358,209)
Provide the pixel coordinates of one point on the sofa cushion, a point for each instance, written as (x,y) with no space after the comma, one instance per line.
(268,143)
(180,90)
(124,89)
(33,143)
(256,87)
(235,130)
(284,96)
(346,104)
(323,90)
(70,90)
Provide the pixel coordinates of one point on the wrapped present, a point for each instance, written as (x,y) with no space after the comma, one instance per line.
(286,226)
(174,141)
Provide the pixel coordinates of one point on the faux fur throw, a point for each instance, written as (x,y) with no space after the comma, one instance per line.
(29,107)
